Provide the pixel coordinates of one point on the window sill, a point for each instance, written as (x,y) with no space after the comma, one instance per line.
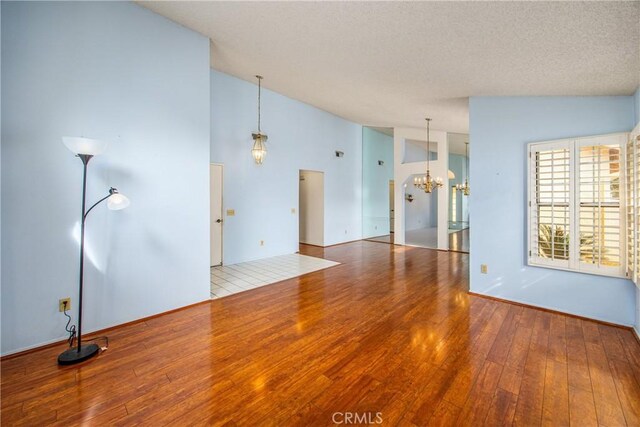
(590,272)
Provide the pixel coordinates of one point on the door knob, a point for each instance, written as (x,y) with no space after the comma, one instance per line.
(218,220)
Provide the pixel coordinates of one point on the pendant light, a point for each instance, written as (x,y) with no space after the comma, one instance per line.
(465,187)
(426,182)
(259,150)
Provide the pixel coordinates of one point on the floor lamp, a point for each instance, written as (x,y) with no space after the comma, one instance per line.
(85,149)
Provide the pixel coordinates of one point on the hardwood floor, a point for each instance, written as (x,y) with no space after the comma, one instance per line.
(459,241)
(390,330)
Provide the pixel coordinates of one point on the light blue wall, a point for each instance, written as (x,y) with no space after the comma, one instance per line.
(422,212)
(375,182)
(500,129)
(119,72)
(457,164)
(300,137)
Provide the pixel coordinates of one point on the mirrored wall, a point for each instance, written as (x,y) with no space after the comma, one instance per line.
(377,184)
(459,188)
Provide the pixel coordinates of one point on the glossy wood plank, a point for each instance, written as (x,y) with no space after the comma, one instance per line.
(392,329)
(502,409)
(555,406)
(582,409)
(479,400)
(608,407)
(531,395)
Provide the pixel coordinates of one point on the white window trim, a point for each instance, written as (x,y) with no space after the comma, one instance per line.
(573,264)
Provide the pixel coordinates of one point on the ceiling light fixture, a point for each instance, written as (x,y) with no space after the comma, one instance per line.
(425,182)
(465,187)
(259,150)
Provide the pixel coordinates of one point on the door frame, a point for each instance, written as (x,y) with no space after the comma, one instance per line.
(221,213)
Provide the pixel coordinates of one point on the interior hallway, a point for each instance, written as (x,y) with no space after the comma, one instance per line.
(392,330)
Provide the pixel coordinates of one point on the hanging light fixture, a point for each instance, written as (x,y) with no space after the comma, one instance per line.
(465,187)
(426,182)
(259,150)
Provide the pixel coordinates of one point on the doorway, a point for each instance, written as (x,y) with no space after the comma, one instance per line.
(421,218)
(311,208)
(215,209)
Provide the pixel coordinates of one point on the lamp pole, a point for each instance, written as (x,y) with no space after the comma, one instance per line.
(85,149)
(81,353)
(85,161)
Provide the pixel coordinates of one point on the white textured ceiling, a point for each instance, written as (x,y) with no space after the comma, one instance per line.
(393,63)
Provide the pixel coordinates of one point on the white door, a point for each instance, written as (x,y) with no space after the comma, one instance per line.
(311,208)
(216,214)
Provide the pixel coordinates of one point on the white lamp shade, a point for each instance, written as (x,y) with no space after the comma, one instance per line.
(117,201)
(451,175)
(81,145)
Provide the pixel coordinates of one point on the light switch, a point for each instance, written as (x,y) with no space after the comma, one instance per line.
(231,212)
(483,268)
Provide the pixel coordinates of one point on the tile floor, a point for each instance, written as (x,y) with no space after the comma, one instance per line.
(231,279)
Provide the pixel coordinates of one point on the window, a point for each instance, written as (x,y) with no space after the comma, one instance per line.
(636,206)
(600,215)
(633,209)
(577,205)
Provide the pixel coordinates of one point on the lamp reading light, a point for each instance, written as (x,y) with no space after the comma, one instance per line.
(117,201)
(85,149)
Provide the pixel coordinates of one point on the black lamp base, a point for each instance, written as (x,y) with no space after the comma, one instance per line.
(72,355)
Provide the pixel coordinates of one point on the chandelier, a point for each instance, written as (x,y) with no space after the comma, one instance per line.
(426,182)
(464,188)
(259,150)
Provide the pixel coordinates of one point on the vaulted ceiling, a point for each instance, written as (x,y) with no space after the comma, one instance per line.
(393,63)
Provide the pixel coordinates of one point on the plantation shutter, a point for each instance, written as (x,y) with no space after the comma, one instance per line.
(579,190)
(633,209)
(599,201)
(632,235)
(636,204)
(550,204)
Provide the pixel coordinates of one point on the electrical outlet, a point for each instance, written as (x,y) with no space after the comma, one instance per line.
(345,231)
(61,302)
(261,242)
(483,268)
